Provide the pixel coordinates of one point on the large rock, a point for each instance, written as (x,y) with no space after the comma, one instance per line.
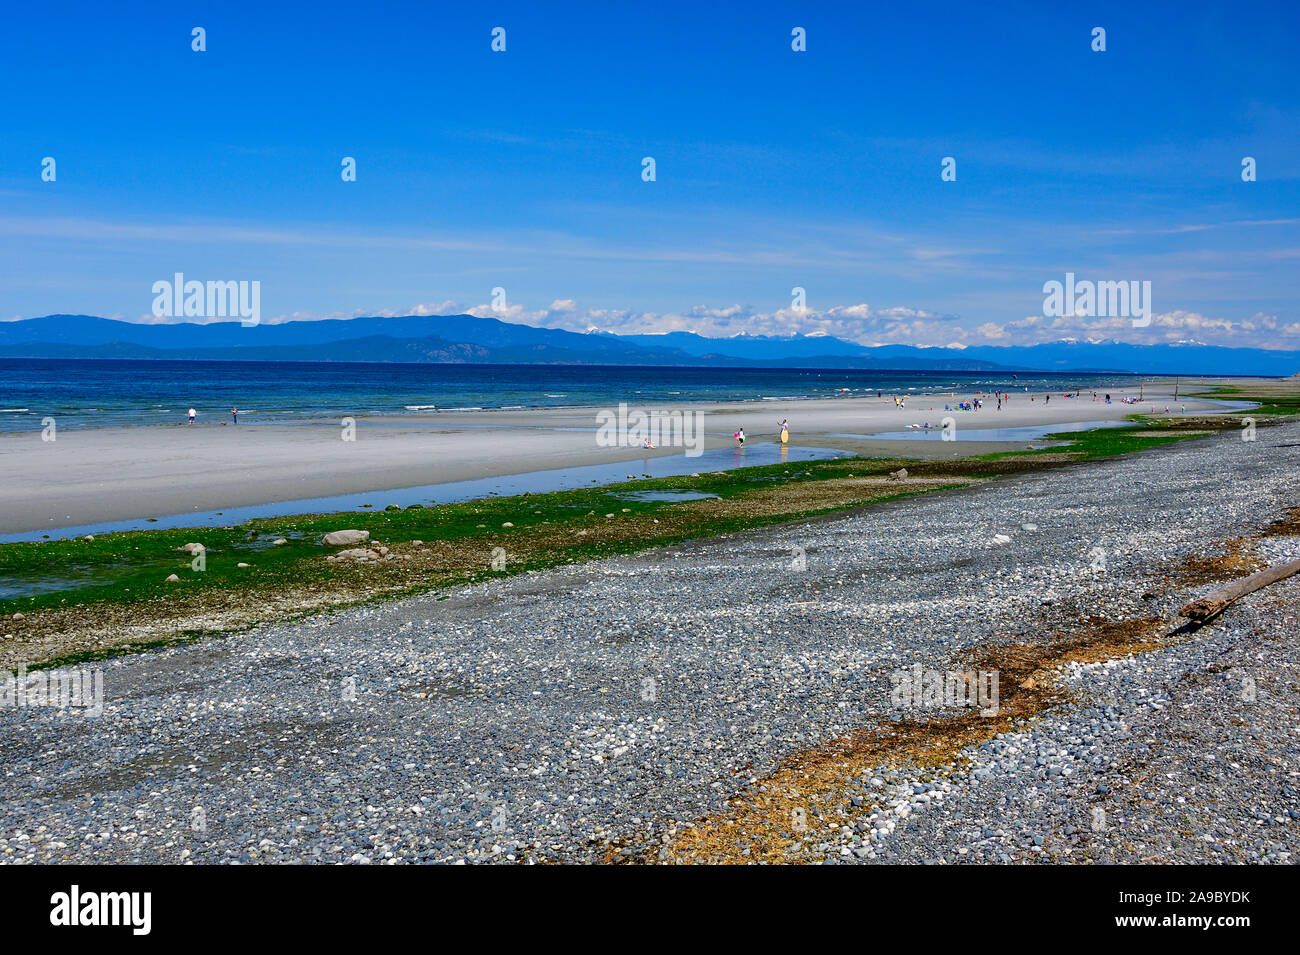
(345,538)
(192,549)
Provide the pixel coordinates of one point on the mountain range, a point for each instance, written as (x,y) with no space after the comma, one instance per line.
(469,339)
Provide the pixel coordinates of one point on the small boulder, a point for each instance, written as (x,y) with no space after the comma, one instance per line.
(241,565)
(192,549)
(279,542)
(344,538)
(355,553)
(899,475)
(173,579)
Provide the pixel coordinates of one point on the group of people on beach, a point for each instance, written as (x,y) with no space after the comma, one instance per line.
(783,426)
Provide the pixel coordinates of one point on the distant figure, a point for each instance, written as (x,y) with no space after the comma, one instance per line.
(785,430)
(234,416)
(645,443)
(193,414)
(740,436)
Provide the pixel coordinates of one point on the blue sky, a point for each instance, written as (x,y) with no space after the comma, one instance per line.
(775,169)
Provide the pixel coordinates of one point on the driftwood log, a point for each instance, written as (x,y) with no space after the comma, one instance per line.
(1213,604)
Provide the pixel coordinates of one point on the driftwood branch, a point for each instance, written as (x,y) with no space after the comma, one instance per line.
(1213,604)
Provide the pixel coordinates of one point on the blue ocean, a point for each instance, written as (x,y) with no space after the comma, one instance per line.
(100,393)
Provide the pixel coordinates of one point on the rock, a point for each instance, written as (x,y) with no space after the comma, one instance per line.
(417,543)
(173,579)
(899,475)
(279,542)
(192,549)
(241,565)
(18,616)
(507,524)
(89,537)
(343,538)
(355,553)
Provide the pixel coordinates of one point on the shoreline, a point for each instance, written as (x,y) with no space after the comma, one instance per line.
(107,475)
(796,659)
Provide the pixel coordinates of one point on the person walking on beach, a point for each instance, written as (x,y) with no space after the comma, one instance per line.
(193,413)
(234,415)
(740,437)
(785,430)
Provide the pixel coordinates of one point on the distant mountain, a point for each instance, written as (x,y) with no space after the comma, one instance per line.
(756,347)
(435,338)
(1173,359)
(467,339)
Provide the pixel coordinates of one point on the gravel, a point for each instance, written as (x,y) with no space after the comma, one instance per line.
(560,715)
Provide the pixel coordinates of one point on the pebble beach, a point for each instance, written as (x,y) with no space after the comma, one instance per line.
(614,710)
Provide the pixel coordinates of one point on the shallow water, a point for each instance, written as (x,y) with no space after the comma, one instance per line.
(1026,433)
(668,495)
(1036,432)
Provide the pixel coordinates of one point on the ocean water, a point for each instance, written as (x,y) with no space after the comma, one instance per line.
(93,393)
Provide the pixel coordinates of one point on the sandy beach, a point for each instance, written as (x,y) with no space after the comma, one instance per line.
(117,474)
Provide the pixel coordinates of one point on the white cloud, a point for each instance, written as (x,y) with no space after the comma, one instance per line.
(869,325)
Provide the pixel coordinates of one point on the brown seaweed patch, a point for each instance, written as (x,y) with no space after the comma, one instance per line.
(756,825)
